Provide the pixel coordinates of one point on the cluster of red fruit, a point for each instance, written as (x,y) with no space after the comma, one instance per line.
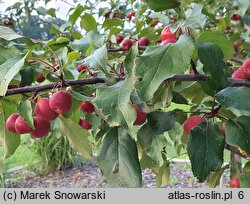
(45,111)
(89,108)
(126,43)
(243,72)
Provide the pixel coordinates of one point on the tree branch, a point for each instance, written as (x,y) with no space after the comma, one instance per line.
(236,151)
(52,85)
(178,77)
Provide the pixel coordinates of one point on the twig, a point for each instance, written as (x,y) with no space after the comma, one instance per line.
(51,86)
(236,151)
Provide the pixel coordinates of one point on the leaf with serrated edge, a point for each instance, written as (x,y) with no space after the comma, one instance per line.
(78,138)
(8,70)
(118,159)
(238,133)
(158,63)
(114,102)
(234,99)
(205,149)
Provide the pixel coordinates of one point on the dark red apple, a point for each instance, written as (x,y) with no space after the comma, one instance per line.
(82,68)
(10,122)
(87,107)
(192,122)
(143,41)
(21,126)
(61,102)
(119,39)
(85,124)
(126,44)
(43,110)
(236,17)
(42,127)
(40,78)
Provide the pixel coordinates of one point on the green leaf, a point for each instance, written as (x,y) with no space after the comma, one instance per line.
(84,43)
(245,177)
(149,135)
(78,137)
(163,95)
(158,63)
(194,18)
(8,34)
(238,133)
(52,12)
(7,53)
(219,39)
(98,60)
(114,102)
(163,175)
(25,110)
(211,57)
(129,63)
(234,99)
(88,22)
(71,57)
(205,149)
(79,96)
(112,22)
(162,18)
(76,14)
(214,178)
(245,180)
(8,70)
(27,76)
(160,5)
(118,159)
(8,140)
(243,6)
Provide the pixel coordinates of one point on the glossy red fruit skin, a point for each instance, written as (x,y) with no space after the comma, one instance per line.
(43,110)
(10,122)
(236,17)
(42,127)
(86,125)
(87,107)
(166,33)
(119,39)
(81,68)
(168,41)
(140,116)
(40,78)
(8,23)
(235,183)
(21,126)
(126,44)
(191,122)
(246,66)
(240,74)
(143,41)
(61,102)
